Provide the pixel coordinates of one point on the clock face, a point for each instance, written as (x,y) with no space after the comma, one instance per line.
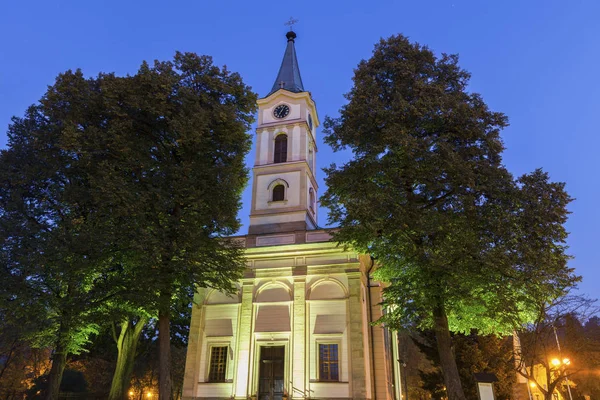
(281,111)
(309,122)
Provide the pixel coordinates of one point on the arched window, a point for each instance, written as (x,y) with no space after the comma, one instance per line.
(280,149)
(279,193)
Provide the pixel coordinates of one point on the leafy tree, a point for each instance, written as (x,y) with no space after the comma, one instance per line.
(171,179)
(462,244)
(122,189)
(54,267)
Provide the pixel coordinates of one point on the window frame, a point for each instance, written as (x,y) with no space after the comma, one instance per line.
(338,360)
(209,366)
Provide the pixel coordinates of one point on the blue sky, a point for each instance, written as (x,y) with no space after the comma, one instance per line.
(537,61)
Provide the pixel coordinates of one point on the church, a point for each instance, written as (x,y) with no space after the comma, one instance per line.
(300,324)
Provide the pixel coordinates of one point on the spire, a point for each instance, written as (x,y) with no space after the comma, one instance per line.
(289,73)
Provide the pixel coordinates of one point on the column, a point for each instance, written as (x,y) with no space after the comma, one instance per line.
(244,341)
(298,351)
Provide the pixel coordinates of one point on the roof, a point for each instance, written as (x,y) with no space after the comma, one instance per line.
(288,77)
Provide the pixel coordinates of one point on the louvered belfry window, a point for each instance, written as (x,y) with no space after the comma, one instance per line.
(280,149)
(329,368)
(218,364)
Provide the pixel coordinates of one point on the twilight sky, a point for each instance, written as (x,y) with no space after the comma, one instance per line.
(534,60)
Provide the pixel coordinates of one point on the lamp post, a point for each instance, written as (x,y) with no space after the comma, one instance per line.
(566,361)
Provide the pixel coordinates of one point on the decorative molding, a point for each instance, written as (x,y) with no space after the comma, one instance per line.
(275,240)
(275,182)
(326,281)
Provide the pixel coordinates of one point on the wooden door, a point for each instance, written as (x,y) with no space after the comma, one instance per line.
(271,375)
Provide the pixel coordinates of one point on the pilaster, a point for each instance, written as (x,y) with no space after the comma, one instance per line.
(244,341)
(357,352)
(299,370)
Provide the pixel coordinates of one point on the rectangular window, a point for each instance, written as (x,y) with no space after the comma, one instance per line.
(218,364)
(329,367)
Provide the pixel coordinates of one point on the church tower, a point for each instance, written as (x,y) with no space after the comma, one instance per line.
(284,191)
(300,325)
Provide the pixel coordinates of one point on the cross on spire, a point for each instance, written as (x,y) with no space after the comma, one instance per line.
(291,22)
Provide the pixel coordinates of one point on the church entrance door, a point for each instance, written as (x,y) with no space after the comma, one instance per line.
(270,384)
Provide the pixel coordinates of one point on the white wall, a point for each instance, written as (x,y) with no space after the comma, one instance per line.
(263,194)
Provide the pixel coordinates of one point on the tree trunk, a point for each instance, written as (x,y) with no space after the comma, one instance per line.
(447,362)
(59,361)
(164,349)
(8,358)
(126,347)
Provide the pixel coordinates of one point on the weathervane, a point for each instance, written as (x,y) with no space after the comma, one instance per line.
(291,23)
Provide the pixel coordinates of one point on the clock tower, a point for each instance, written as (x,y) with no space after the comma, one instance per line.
(301,324)
(284,191)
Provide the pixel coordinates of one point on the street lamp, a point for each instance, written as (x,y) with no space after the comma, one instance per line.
(556,362)
(566,363)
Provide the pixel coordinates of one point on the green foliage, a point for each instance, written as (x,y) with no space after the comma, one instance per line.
(116,194)
(54,267)
(462,244)
(171,178)
(427,196)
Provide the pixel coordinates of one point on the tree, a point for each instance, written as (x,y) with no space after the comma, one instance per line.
(171,179)
(474,353)
(55,266)
(587,381)
(460,241)
(123,189)
(126,341)
(555,348)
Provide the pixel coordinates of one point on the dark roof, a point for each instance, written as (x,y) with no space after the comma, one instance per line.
(485,377)
(289,73)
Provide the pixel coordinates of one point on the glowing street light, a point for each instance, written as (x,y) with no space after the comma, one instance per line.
(556,362)
(566,363)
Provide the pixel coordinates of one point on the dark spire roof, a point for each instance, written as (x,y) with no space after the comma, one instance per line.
(289,73)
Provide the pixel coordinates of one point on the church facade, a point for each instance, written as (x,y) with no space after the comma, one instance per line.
(300,324)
